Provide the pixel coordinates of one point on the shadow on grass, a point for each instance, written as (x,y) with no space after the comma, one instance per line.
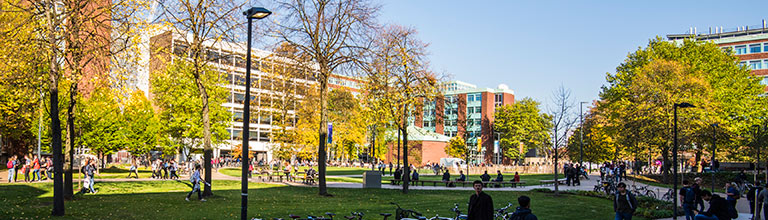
(165,200)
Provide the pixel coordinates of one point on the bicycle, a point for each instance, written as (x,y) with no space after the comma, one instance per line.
(502,212)
(669,195)
(455,209)
(406,214)
(643,191)
(358,215)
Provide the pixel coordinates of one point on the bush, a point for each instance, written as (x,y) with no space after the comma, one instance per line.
(647,207)
(542,190)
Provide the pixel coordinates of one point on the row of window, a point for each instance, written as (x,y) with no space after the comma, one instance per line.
(237,134)
(476,109)
(755,64)
(474,97)
(748,48)
(447,123)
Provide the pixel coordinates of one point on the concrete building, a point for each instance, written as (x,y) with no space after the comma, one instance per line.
(748,43)
(467,111)
(271,91)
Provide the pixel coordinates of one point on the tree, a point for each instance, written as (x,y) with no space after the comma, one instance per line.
(457,148)
(344,112)
(142,125)
(521,126)
(639,97)
(562,121)
(398,69)
(207,23)
(598,144)
(175,94)
(101,124)
(332,33)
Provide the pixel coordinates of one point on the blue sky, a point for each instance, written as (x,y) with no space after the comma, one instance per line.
(536,46)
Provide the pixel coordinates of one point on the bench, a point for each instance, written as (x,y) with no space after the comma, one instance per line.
(548,182)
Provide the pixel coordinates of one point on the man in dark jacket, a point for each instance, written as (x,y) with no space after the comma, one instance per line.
(485,177)
(446,176)
(718,207)
(524,211)
(480,204)
(624,203)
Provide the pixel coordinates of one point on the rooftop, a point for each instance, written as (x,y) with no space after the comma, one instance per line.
(720,32)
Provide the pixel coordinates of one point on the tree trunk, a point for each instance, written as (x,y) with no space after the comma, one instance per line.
(70,145)
(207,149)
(53,74)
(406,167)
(398,148)
(323,130)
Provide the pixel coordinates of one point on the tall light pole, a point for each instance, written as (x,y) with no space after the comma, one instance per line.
(581,135)
(250,14)
(757,146)
(674,153)
(714,149)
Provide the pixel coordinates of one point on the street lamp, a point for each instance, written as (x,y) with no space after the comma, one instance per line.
(757,146)
(581,135)
(674,153)
(250,14)
(714,148)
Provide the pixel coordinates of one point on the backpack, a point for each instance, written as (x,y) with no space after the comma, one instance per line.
(518,216)
(690,195)
(9,164)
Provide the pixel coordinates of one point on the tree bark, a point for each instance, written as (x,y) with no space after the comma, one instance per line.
(70,145)
(207,148)
(323,130)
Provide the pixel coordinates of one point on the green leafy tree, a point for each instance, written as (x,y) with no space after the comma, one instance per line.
(101,124)
(142,124)
(521,126)
(457,148)
(175,94)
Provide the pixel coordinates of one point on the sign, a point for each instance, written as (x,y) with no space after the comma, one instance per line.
(479,145)
(496,147)
(330,132)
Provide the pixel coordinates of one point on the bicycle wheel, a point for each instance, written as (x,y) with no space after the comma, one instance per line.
(650,193)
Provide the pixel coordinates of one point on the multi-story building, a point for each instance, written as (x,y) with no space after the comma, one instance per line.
(748,43)
(467,111)
(277,84)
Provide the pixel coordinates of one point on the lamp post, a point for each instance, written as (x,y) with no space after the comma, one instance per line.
(714,149)
(757,146)
(250,14)
(581,135)
(674,153)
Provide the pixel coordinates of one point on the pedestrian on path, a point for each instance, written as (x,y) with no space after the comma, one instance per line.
(11,168)
(480,204)
(687,199)
(624,203)
(762,197)
(134,169)
(195,180)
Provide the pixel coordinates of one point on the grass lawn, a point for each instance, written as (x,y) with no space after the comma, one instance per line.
(165,200)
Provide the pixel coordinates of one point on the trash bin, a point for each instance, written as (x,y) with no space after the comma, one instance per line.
(372,179)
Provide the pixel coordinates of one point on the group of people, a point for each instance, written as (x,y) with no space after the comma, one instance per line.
(162,168)
(573,172)
(615,171)
(40,168)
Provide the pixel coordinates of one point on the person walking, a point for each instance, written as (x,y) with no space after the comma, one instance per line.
(480,204)
(11,168)
(523,212)
(26,168)
(90,171)
(688,199)
(762,198)
(732,194)
(195,180)
(624,203)
(36,169)
(134,169)
(718,207)
(699,203)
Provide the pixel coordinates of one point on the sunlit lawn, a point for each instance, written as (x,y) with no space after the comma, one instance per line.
(165,200)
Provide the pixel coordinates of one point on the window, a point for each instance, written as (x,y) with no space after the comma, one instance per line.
(754,48)
(765,47)
(741,49)
(253,135)
(743,63)
(755,65)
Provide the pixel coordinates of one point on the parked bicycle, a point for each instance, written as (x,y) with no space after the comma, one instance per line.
(669,195)
(406,214)
(502,214)
(643,191)
(456,209)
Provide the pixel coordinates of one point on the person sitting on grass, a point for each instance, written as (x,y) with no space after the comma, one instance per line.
(446,176)
(462,177)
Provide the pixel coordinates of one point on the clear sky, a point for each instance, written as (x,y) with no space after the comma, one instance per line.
(536,46)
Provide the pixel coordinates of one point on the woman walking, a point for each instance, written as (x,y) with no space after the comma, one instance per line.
(195,179)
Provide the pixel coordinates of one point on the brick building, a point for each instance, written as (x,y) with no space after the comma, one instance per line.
(467,111)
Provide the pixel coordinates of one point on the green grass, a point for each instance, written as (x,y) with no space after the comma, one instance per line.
(165,200)
(530,179)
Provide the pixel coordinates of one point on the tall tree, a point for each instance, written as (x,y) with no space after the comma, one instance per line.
(398,65)
(521,126)
(204,24)
(332,33)
(457,148)
(142,124)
